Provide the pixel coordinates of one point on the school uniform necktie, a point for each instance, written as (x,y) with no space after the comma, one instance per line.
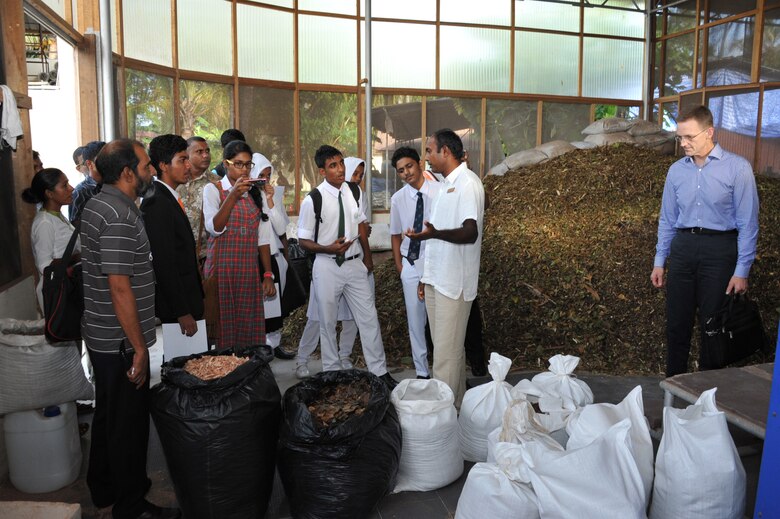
(340,257)
(414,245)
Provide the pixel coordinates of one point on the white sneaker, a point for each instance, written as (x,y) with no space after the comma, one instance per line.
(302,371)
(346,364)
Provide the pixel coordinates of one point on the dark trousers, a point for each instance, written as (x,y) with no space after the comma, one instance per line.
(700,267)
(120,437)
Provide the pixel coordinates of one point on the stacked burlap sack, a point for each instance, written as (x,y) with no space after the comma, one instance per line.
(603,132)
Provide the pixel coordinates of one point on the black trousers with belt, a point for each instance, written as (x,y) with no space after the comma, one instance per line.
(700,267)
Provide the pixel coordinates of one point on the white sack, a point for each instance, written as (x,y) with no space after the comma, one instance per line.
(521,424)
(555,148)
(524,158)
(608,125)
(605,139)
(643,127)
(482,409)
(35,374)
(560,388)
(592,421)
(698,473)
(489,493)
(430,456)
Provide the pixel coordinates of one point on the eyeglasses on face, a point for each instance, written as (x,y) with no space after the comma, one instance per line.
(240,165)
(688,138)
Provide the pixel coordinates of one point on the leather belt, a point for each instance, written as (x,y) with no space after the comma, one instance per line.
(347,258)
(702,230)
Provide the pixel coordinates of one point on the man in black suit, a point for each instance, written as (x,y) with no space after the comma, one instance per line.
(178,288)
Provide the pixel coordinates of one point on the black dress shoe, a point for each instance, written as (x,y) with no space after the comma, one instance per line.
(389,381)
(158,512)
(279,353)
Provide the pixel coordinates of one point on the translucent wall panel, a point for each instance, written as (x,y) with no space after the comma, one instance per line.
(328,6)
(149,102)
(397,122)
(114,26)
(736,121)
(616,22)
(769,160)
(267,120)
(147,30)
(678,67)
(612,68)
(58,6)
(205,110)
(396,55)
(770,47)
(474,59)
(537,14)
(402,9)
(492,12)
(205,36)
(464,117)
(564,121)
(325,118)
(546,63)
(510,126)
(265,43)
(327,50)
(720,9)
(729,52)
(681,17)
(280,3)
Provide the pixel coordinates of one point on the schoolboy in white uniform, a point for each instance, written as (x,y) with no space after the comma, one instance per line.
(409,208)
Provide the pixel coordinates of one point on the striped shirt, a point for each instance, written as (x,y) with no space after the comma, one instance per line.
(114,241)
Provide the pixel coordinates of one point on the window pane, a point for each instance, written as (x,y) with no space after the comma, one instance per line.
(147,21)
(657,69)
(493,12)
(396,122)
(58,6)
(464,117)
(325,118)
(770,48)
(149,105)
(690,101)
(205,47)
(605,76)
(729,52)
(700,58)
(769,161)
(320,40)
(114,25)
(679,64)
(328,6)
(736,120)
(546,63)
(669,121)
(474,59)
(681,17)
(616,22)
(537,14)
(564,121)
(205,110)
(267,119)
(402,9)
(510,126)
(267,53)
(720,9)
(624,112)
(281,3)
(396,55)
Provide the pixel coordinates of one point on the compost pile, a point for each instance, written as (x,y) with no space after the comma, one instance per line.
(566,258)
(336,403)
(212,367)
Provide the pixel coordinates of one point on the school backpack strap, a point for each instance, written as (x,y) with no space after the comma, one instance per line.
(355,191)
(316,198)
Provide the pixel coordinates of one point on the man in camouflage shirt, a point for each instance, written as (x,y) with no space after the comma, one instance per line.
(191,193)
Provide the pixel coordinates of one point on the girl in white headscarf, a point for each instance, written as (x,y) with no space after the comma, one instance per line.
(355,171)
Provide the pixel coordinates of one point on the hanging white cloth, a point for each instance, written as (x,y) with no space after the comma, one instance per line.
(10,123)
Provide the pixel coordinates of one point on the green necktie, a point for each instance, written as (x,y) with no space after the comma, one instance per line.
(340,257)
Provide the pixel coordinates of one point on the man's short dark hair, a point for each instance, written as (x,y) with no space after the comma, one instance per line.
(91,150)
(701,114)
(450,139)
(194,139)
(231,135)
(323,153)
(163,148)
(78,155)
(115,157)
(405,153)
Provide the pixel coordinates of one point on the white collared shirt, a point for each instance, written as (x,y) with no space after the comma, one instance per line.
(403,206)
(328,231)
(169,188)
(451,268)
(211,205)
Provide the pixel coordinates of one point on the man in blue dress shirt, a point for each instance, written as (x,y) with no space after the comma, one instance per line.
(707,231)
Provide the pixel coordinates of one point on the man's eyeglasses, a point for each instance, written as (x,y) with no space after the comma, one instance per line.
(688,138)
(240,165)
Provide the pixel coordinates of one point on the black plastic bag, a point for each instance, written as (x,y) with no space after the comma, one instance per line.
(219,436)
(344,470)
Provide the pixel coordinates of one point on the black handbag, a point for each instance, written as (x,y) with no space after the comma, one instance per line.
(295,293)
(63,297)
(732,334)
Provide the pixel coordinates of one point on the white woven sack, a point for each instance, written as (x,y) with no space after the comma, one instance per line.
(521,424)
(590,422)
(595,482)
(608,125)
(34,374)
(430,455)
(490,493)
(698,473)
(560,388)
(482,409)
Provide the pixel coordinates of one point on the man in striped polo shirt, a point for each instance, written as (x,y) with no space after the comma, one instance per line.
(118,328)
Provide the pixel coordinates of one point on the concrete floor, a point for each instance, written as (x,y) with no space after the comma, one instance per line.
(407,505)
